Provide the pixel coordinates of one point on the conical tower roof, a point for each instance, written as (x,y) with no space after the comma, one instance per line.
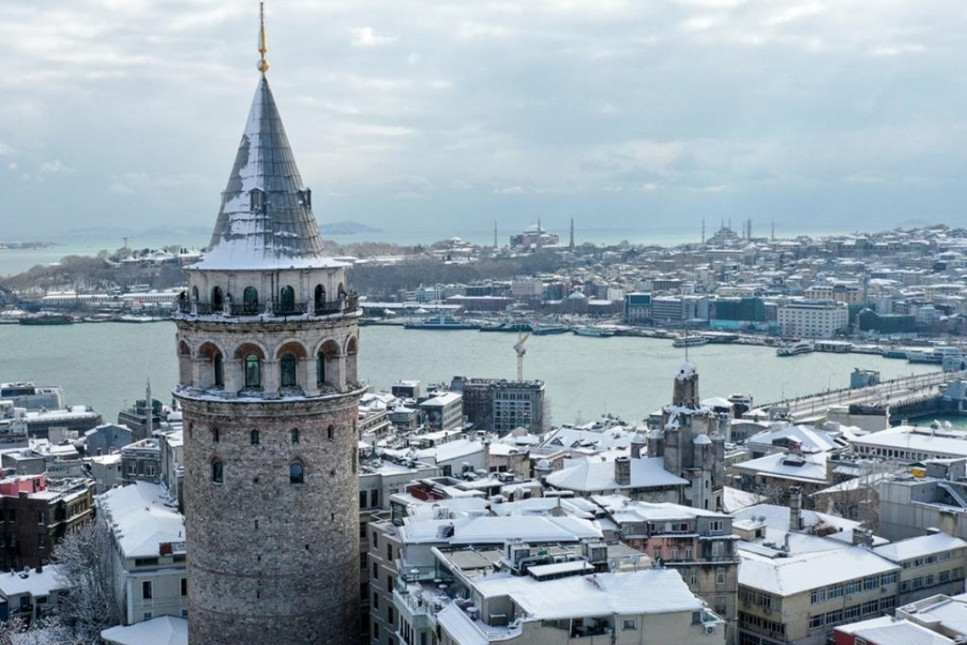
(266,219)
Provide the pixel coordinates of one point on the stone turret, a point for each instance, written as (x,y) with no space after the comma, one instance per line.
(267,342)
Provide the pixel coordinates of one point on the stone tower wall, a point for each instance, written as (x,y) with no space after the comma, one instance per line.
(271,561)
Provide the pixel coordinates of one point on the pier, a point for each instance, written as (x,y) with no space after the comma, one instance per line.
(906,397)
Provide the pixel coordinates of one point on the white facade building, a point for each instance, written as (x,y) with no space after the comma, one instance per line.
(812,319)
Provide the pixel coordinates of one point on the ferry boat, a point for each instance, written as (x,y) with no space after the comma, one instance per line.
(444,322)
(539,329)
(690,341)
(594,332)
(795,349)
(935,355)
(47,319)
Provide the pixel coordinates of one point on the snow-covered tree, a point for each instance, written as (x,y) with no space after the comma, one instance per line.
(84,557)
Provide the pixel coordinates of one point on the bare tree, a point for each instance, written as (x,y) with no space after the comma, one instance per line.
(84,557)
(43,631)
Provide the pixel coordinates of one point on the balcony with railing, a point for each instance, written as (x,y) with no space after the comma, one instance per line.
(346,305)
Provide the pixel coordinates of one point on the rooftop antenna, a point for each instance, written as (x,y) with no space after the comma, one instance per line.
(519,348)
(263,64)
(149,408)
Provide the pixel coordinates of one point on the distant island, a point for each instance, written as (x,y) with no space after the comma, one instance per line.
(347,227)
(26,245)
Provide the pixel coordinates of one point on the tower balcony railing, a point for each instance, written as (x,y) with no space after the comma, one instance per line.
(346,305)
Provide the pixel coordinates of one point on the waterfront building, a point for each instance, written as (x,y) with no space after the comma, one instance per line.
(147,556)
(637,308)
(37,513)
(812,318)
(498,405)
(267,343)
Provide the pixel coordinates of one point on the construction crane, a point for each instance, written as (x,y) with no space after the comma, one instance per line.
(519,348)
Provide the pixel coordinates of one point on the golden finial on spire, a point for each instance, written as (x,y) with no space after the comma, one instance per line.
(263,65)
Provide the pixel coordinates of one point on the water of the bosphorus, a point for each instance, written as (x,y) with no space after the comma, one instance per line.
(106,365)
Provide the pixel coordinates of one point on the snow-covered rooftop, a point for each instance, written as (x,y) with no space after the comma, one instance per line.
(592,475)
(163,630)
(142,517)
(920,546)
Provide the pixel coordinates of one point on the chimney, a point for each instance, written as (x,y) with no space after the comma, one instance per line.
(862,536)
(795,508)
(622,471)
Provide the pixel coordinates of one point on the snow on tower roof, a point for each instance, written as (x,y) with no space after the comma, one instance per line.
(266,219)
(685,372)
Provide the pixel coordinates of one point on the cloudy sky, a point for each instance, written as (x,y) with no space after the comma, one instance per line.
(439,117)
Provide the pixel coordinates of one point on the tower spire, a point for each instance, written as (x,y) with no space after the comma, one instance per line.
(263,64)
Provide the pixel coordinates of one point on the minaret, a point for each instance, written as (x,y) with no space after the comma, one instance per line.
(495,235)
(571,245)
(540,233)
(149,409)
(703,230)
(267,341)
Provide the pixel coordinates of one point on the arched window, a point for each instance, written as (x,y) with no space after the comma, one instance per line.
(218,371)
(250,300)
(319,299)
(296,473)
(329,432)
(253,371)
(257,203)
(218,472)
(287,367)
(194,294)
(218,299)
(254,437)
(216,435)
(287,298)
(294,434)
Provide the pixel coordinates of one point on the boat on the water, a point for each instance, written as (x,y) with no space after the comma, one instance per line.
(795,349)
(443,322)
(935,354)
(539,329)
(594,332)
(690,341)
(45,318)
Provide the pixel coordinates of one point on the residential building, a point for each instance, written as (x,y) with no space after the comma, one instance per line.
(931,564)
(150,576)
(443,412)
(37,513)
(141,461)
(30,594)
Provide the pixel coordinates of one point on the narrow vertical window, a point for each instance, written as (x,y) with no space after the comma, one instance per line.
(287,366)
(287,298)
(250,300)
(296,473)
(218,475)
(321,369)
(218,369)
(216,435)
(218,299)
(254,437)
(294,434)
(329,432)
(253,371)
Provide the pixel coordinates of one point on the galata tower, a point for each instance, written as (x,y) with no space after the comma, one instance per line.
(267,344)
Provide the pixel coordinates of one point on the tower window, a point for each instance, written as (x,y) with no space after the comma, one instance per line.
(253,371)
(250,300)
(218,474)
(320,369)
(218,299)
(218,370)
(216,435)
(257,200)
(319,298)
(287,366)
(296,473)
(329,432)
(294,434)
(287,298)
(254,437)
